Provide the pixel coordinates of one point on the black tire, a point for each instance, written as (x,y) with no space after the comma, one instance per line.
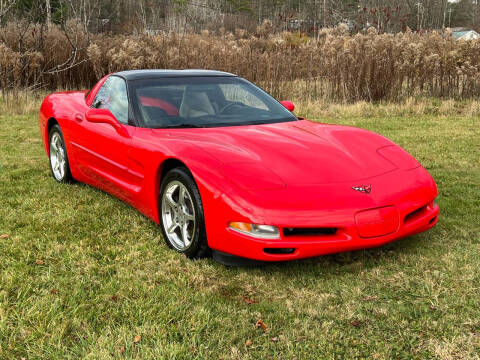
(198,247)
(65,175)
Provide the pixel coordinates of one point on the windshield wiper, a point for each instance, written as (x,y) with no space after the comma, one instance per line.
(179,126)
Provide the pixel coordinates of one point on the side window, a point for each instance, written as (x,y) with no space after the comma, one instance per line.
(113,96)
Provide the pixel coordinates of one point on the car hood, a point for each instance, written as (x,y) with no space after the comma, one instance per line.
(299,152)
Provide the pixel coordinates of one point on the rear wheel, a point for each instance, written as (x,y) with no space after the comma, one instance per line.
(181,214)
(58,155)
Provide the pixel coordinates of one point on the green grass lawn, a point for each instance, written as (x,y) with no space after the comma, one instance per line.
(83,275)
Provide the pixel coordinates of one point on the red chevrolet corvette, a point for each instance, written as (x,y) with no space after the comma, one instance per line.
(223,166)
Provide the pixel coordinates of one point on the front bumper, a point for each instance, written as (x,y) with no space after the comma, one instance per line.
(345,239)
(405,207)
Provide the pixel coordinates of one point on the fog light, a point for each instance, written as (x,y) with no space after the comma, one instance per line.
(255,230)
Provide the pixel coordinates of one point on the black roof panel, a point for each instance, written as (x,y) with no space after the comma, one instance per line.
(152,74)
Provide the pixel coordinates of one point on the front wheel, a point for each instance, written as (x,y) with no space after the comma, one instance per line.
(58,155)
(181,214)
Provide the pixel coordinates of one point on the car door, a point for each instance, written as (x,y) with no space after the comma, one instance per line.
(102,148)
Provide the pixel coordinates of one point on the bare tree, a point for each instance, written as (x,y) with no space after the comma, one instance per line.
(83,10)
(48,11)
(5,6)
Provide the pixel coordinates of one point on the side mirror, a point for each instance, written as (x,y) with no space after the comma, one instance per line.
(105,116)
(288,105)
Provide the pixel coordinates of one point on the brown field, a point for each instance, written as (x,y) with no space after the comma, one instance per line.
(335,66)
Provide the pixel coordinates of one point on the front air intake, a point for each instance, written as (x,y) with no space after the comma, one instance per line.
(279,251)
(321,231)
(415,214)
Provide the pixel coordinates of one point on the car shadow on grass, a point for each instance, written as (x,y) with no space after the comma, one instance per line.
(351,261)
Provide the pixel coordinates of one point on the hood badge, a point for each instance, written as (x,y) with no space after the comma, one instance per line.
(367,189)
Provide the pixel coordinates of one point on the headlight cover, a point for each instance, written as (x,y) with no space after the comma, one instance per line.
(256,230)
(398,157)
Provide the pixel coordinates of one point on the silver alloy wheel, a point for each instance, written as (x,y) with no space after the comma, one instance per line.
(178,215)
(57,156)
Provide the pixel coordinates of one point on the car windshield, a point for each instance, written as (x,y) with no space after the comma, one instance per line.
(203,102)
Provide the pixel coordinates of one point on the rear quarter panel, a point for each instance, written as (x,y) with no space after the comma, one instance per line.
(62,108)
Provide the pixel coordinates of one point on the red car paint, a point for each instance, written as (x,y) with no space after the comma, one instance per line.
(292,175)
(288,105)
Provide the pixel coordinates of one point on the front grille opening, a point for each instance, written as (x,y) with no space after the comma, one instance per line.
(415,214)
(281,251)
(309,231)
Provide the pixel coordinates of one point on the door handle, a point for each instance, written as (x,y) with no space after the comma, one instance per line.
(78,118)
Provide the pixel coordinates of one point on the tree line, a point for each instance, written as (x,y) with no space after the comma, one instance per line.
(152,16)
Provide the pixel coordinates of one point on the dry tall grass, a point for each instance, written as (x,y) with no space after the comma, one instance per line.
(369,67)
(22,102)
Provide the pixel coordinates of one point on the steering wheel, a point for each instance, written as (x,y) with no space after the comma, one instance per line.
(230,105)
